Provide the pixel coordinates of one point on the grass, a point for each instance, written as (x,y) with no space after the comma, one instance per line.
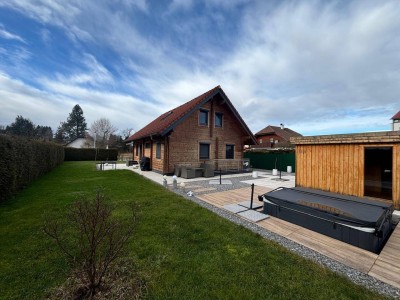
(182,250)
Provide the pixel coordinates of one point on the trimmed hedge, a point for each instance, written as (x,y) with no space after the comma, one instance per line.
(23,160)
(76,154)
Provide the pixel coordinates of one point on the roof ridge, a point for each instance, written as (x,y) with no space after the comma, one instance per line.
(170,117)
(396,116)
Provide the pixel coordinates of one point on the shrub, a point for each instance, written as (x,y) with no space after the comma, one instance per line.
(23,160)
(75,154)
(92,240)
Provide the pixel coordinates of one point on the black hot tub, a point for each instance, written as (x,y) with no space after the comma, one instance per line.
(361,222)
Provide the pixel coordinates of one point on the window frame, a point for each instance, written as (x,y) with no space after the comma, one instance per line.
(215,119)
(233,151)
(209,151)
(201,110)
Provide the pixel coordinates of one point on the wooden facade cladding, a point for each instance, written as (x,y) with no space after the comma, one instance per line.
(336,163)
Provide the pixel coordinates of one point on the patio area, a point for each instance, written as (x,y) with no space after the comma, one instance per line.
(236,189)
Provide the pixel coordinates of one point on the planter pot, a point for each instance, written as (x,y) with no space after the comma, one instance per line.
(289,169)
(255,174)
(275,172)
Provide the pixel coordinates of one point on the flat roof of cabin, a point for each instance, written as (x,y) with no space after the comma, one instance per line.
(353,138)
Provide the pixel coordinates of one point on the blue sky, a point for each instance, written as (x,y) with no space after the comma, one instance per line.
(319,67)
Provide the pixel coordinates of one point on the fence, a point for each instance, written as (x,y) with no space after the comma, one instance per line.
(272,160)
(79,154)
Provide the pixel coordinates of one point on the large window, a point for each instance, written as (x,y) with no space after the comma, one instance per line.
(158,150)
(204,151)
(230,150)
(218,119)
(203,117)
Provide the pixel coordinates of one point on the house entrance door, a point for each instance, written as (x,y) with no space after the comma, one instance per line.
(378,162)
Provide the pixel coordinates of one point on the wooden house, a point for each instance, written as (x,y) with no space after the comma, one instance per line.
(362,164)
(203,129)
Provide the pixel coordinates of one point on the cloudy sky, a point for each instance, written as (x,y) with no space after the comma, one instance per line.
(319,67)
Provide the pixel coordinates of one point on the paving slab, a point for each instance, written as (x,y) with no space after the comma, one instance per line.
(234,208)
(256,204)
(253,216)
(197,190)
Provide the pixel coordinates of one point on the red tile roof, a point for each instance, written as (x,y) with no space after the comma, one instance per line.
(396,116)
(168,120)
(285,133)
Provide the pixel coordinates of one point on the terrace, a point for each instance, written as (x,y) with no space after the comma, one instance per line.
(371,268)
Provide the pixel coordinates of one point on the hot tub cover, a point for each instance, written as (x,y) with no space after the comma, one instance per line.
(353,211)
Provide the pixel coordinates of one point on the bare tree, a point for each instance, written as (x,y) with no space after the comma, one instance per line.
(126,133)
(101,130)
(90,239)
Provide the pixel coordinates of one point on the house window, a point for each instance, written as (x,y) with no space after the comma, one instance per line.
(204,151)
(147,146)
(218,119)
(260,141)
(230,149)
(137,150)
(203,117)
(158,150)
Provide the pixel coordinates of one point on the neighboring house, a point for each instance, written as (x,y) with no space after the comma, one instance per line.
(201,130)
(396,122)
(80,143)
(272,136)
(361,164)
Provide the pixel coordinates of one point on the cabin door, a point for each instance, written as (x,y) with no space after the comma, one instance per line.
(378,162)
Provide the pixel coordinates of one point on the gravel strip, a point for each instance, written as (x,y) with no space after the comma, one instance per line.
(354,275)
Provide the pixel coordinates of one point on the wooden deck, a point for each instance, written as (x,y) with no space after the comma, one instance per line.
(220,199)
(385,267)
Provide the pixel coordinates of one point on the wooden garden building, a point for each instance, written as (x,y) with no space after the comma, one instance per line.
(362,164)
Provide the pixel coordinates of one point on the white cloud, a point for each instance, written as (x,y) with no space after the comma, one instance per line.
(180,5)
(95,74)
(10,36)
(45,35)
(58,100)
(316,66)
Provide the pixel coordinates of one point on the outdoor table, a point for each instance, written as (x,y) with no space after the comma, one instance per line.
(113,163)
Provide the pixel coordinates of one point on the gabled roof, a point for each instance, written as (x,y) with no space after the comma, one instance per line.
(285,133)
(396,116)
(169,120)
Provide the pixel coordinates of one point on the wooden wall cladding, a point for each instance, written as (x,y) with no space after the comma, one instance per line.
(339,168)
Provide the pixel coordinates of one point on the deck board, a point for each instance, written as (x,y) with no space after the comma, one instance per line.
(347,254)
(220,199)
(385,266)
(279,226)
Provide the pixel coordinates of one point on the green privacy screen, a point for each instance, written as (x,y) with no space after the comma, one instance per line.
(272,160)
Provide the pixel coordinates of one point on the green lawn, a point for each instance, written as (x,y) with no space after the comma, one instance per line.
(183,250)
